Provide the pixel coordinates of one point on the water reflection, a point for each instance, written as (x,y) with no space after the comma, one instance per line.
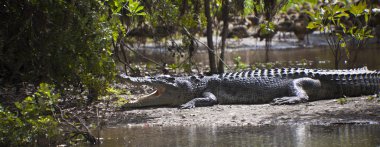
(281,136)
(319,57)
(314,57)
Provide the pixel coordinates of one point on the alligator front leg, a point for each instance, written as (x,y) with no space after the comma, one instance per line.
(298,94)
(209,99)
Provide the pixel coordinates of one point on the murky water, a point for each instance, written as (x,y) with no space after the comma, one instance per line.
(310,57)
(317,57)
(281,136)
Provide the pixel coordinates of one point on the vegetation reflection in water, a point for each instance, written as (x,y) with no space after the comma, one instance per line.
(317,57)
(286,135)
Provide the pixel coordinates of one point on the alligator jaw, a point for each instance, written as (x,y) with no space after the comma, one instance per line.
(135,80)
(148,100)
(156,93)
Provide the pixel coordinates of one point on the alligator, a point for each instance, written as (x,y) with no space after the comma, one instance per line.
(275,86)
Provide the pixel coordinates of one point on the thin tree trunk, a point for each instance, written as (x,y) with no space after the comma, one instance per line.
(337,58)
(196,11)
(268,42)
(210,44)
(183,8)
(225,11)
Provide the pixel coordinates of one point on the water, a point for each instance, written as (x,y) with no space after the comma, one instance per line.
(317,57)
(320,57)
(281,136)
(314,57)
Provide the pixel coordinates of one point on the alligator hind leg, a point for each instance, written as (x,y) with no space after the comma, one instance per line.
(209,99)
(297,91)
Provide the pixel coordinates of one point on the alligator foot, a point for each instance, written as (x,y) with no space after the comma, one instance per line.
(209,99)
(297,92)
(188,105)
(288,100)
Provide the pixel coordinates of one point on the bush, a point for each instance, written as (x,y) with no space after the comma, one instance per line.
(33,122)
(65,43)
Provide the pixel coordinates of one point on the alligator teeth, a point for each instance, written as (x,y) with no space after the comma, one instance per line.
(132,102)
(155,93)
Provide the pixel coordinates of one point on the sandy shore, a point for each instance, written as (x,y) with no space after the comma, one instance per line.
(357,110)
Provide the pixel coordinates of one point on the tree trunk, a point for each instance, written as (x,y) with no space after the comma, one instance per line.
(210,44)
(196,11)
(225,11)
(268,43)
(336,58)
(183,8)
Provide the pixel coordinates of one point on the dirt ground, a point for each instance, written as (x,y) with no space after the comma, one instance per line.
(357,110)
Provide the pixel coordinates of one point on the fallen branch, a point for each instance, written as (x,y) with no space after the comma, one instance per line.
(86,134)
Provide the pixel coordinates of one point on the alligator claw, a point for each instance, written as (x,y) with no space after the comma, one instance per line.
(187,106)
(286,100)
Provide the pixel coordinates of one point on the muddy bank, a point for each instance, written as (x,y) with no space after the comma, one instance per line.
(358,110)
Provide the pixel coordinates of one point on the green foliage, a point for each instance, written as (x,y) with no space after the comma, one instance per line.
(330,17)
(268,8)
(132,6)
(120,102)
(342,101)
(375,98)
(257,4)
(188,23)
(371,98)
(358,9)
(135,8)
(296,3)
(114,91)
(32,121)
(187,67)
(173,66)
(63,43)
(352,28)
(248,7)
(114,95)
(239,65)
(163,12)
(267,28)
(67,43)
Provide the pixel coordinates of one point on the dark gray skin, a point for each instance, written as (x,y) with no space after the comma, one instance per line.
(275,86)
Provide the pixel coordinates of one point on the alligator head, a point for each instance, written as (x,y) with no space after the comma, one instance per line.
(168,91)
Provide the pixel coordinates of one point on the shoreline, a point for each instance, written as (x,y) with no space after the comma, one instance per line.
(357,110)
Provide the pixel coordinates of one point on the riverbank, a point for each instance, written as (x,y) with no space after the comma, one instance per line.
(357,110)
